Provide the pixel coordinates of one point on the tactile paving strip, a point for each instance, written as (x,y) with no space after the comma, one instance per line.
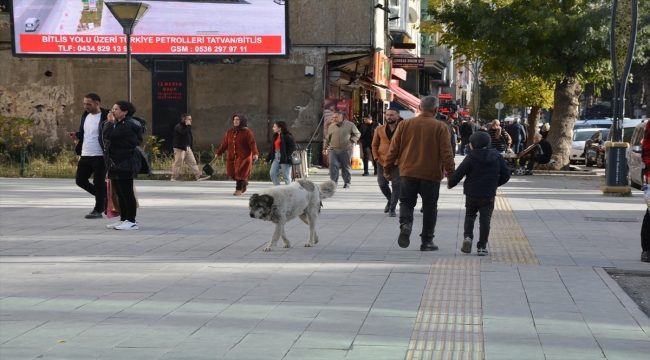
(507,243)
(449,322)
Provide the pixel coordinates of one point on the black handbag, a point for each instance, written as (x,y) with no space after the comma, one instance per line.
(296,159)
(208,170)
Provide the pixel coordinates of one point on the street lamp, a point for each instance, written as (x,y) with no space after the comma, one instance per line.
(622,40)
(128,14)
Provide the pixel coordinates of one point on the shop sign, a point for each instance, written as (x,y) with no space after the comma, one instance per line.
(408,63)
(382,71)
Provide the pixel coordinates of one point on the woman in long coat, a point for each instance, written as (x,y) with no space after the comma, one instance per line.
(242,151)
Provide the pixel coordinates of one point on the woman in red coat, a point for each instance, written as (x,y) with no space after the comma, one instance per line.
(242,151)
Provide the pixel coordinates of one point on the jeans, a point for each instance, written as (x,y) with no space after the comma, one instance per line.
(126,197)
(184,155)
(453,149)
(473,205)
(429,191)
(275,170)
(367,156)
(93,165)
(340,159)
(515,146)
(645,232)
(392,197)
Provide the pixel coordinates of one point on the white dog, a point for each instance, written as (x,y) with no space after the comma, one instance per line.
(280,204)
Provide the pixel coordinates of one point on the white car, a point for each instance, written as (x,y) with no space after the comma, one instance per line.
(578,143)
(600,123)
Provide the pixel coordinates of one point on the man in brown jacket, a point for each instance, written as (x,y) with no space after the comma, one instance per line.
(380,145)
(421,147)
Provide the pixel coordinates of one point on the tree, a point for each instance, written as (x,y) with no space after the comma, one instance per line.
(563,42)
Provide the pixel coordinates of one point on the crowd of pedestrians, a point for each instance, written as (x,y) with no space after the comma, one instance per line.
(409,157)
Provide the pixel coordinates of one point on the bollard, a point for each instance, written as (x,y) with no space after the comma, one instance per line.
(22,162)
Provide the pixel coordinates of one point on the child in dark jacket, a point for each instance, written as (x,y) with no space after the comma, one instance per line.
(485,170)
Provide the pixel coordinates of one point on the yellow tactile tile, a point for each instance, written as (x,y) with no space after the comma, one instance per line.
(449,322)
(507,243)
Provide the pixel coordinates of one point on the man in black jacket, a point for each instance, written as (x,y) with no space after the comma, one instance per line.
(182,144)
(541,156)
(466,130)
(517,134)
(367,130)
(90,146)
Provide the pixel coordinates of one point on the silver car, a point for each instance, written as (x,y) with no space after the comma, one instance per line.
(578,143)
(635,166)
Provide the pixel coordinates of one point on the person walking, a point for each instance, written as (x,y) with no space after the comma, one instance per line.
(339,142)
(499,137)
(466,130)
(484,170)
(380,146)
(182,144)
(542,155)
(123,134)
(645,227)
(517,133)
(242,151)
(90,147)
(421,146)
(367,130)
(280,154)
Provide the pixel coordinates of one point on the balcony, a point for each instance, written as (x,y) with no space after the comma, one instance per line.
(434,63)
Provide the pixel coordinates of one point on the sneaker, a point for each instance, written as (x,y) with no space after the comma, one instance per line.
(113,225)
(481,251)
(392,213)
(467,245)
(94,215)
(428,246)
(175,179)
(203,177)
(387,208)
(404,233)
(127,225)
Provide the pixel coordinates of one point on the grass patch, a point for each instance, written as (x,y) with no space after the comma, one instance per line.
(63,164)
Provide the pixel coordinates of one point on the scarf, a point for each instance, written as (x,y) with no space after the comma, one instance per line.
(243,122)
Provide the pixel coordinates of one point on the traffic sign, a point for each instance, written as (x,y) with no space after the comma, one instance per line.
(498,105)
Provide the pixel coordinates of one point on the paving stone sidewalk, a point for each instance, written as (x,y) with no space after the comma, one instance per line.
(193,283)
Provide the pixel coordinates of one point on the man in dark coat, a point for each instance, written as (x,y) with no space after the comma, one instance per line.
(517,133)
(540,156)
(182,144)
(466,130)
(367,130)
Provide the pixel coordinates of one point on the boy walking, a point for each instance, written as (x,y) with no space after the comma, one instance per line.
(485,170)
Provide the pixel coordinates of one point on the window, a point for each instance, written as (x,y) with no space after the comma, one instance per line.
(398,8)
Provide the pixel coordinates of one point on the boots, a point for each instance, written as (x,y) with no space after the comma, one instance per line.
(428,245)
(237,193)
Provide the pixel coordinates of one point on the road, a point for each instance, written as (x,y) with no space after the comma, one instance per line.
(40,9)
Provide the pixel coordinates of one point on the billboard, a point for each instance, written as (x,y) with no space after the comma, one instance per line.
(198,28)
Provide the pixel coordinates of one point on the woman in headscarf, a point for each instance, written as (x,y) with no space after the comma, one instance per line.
(500,138)
(242,151)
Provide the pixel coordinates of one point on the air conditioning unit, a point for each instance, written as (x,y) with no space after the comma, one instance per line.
(339,77)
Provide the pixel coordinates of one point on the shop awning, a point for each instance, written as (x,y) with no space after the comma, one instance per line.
(404,98)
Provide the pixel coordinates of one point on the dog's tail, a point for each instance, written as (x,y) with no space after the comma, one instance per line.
(327,189)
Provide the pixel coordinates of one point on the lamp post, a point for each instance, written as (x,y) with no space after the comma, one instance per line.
(622,40)
(128,14)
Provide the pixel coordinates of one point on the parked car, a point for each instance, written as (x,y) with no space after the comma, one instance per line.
(595,148)
(580,136)
(600,123)
(635,166)
(628,128)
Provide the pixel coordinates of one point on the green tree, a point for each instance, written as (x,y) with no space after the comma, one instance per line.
(563,42)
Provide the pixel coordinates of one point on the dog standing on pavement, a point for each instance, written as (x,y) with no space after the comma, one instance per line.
(280,204)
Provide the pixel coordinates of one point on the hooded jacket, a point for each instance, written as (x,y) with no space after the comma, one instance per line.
(484,171)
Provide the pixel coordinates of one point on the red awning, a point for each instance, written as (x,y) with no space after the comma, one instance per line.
(404,98)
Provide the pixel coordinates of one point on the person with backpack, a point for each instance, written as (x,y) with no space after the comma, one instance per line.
(90,148)
(123,134)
